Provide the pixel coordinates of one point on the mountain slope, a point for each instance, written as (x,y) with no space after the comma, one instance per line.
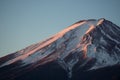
(87,45)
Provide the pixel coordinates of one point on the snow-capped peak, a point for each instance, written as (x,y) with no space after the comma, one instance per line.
(87,41)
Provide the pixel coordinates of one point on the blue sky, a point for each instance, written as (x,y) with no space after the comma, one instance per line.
(25,22)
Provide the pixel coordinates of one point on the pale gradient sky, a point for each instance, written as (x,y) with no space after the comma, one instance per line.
(25,22)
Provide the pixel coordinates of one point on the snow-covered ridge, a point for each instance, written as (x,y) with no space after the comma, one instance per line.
(43,44)
(82,42)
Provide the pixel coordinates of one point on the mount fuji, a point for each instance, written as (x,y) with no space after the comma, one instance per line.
(86,50)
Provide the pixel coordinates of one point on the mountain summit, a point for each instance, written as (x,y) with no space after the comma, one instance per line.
(86,48)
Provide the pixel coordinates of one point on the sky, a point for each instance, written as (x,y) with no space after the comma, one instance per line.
(25,22)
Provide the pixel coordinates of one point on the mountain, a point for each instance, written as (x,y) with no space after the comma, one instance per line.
(86,50)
